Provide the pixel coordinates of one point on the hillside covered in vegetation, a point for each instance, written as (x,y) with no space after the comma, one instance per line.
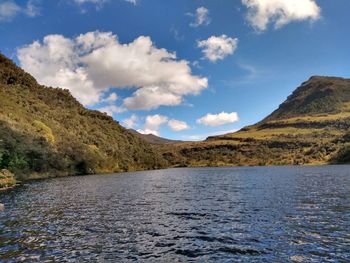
(311,127)
(46,132)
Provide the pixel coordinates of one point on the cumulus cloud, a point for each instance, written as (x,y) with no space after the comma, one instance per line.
(131,122)
(218,119)
(111,98)
(10,9)
(152,124)
(216,48)
(90,64)
(149,98)
(201,17)
(177,125)
(134,2)
(280,12)
(111,109)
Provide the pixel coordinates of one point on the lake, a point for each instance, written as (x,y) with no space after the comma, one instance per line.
(244,214)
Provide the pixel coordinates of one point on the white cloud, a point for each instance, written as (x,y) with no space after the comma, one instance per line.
(9,9)
(56,62)
(177,125)
(149,98)
(111,109)
(111,98)
(216,48)
(196,64)
(31,10)
(280,12)
(90,64)
(218,119)
(201,17)
(134,2)
(176,33)
(153,123)
(100,2)
(131,122)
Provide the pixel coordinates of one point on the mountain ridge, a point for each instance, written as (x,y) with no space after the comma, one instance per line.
(46,132)
(154,139)
(310,127)
(318,95)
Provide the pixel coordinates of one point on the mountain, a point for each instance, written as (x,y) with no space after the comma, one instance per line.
(311,127)
(46,132)
(153,139)
(318,95)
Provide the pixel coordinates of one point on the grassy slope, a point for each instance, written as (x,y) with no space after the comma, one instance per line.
(46,132)
(311,127)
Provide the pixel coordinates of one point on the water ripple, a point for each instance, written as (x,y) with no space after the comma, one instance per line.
(271,214)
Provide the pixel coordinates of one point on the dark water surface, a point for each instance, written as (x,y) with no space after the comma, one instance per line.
(275,214)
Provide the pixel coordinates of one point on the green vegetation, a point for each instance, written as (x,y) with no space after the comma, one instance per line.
(45,132)
(311,127)
(7,179)
(343,155)
(317,96)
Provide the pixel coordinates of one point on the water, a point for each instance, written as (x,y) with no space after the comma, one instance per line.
(275,214)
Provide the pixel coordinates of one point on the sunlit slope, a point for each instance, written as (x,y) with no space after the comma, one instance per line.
(311,127)
(317,96)
(46,132)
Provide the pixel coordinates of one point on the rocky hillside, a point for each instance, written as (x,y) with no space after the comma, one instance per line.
(311,127)
(46,132)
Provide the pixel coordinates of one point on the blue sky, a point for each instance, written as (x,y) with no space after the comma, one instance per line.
(119,56)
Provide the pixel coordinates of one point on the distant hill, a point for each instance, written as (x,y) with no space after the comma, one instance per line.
(311,127)
(318,95)
(46,132)
(153,139)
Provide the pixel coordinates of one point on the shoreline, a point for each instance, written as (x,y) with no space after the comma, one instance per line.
(7,180)
(19,183)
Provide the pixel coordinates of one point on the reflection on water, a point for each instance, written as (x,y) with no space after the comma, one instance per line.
(275,214)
